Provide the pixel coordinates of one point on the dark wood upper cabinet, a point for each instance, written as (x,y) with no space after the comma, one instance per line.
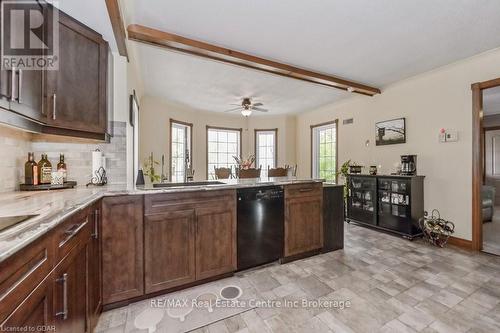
(21,90)
(94,267)
(76,94)
(69,283)
(5,88)
(122,248)
(169,249)
(303,219)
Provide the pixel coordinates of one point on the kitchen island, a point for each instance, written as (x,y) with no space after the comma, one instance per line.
(126,244)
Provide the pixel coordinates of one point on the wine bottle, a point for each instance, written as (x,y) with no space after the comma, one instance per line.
(45,170)
(30,171)
(61,167)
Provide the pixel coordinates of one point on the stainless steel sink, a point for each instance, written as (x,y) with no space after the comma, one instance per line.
(9,221)
(204,183)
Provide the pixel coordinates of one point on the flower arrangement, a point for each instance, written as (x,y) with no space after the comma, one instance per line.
(244,163)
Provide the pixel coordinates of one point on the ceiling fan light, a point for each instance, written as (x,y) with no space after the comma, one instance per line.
(246,112)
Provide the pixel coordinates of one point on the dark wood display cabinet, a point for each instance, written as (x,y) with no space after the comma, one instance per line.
(387,202)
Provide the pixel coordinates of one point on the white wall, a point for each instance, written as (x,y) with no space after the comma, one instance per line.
(438,99)
(154,119)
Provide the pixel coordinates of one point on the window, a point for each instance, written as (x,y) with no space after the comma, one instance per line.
(180,145)
(266,154)
(222,145)
(324,150)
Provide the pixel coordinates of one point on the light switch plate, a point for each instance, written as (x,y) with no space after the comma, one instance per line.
(451,136)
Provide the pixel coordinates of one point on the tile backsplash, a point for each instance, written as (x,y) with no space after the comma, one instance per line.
(16,144)
(14,147)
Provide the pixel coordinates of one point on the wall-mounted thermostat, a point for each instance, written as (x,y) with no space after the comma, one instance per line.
(448,135)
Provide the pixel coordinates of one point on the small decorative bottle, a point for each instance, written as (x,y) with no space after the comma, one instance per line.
(45,170)
(31,171)
(61,167)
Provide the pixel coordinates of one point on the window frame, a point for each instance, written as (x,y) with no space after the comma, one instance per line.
(186,124)
(209,127)
(313,127)
(256,133)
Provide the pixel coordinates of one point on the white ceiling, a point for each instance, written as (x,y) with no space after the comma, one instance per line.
(372,42)
(92,13)
(211,86)
(491,101)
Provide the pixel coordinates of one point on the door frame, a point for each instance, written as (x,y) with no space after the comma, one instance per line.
(478,159)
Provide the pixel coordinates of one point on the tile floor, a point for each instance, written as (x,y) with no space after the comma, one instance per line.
(393,285)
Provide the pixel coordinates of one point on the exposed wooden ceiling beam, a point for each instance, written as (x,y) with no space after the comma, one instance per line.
(161,38)
(118,26)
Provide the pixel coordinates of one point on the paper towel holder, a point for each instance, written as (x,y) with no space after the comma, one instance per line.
(99,177)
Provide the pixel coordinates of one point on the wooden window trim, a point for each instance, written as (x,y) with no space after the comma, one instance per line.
(209,127)
(190,125)
(275,130)
(336,122)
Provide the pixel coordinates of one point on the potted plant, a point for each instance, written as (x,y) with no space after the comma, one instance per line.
(149,169)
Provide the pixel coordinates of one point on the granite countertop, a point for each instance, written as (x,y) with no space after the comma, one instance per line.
(53,207)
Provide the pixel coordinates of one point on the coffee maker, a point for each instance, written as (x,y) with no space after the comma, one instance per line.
(409,165)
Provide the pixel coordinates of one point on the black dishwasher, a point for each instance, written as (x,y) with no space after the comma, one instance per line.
(260,225)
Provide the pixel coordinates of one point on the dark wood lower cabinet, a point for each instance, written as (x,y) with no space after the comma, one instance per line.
(70,280)
(94,268)
(303,223)
(169,249)
(34,313)
(122,248)
(215,240)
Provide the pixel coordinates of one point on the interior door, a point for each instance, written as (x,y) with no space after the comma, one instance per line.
(492,160)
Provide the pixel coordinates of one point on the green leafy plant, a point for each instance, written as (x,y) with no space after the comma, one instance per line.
(343,173)
(149,169)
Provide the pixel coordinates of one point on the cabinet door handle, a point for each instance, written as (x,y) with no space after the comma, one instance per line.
(19,85)
(12,83)
(71,232)
(95,235)
(54,106)
(64,281)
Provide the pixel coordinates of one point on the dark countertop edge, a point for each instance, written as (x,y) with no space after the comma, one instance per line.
(58,217)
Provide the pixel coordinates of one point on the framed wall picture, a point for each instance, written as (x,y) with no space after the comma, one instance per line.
(390,132)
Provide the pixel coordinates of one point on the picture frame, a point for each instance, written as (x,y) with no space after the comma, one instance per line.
(390,132)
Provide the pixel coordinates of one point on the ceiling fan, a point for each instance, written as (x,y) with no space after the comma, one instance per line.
(246,107)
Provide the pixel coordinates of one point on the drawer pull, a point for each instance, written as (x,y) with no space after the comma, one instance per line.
(306,189)
(71,232)
(64,281)
(95,235)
